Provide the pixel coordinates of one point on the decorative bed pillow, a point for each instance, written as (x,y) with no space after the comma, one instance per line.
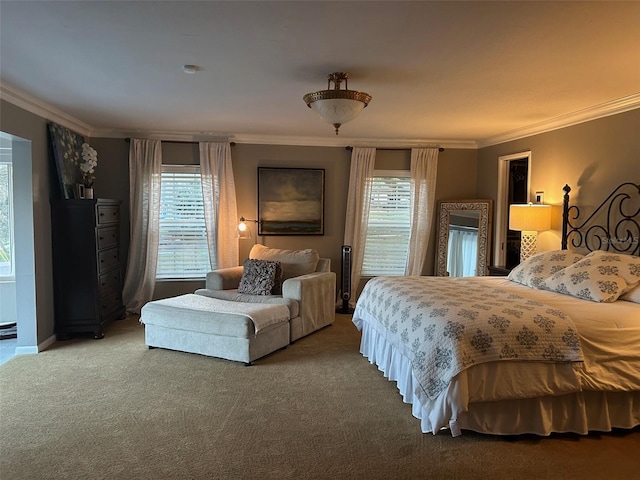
(535,269)
(600,277)
(258,277)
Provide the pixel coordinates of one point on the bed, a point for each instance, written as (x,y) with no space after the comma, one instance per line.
(553,347)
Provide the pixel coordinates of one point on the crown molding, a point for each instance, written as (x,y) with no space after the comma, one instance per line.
(352,141)
(42,109)
(49,112)
(285,139)
(613,107)
(38,107)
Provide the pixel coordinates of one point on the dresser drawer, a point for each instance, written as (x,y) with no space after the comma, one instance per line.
(108,214)
(110,282)
(108,259)
(110,303)
(107,237)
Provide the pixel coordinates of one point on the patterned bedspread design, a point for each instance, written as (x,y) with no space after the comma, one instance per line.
(449,324)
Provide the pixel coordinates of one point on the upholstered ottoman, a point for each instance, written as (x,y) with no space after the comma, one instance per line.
(236,331)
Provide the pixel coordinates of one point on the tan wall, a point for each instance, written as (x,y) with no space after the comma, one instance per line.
(456,179)
(592,158)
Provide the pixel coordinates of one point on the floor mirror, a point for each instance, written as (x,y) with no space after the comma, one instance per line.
(464,238)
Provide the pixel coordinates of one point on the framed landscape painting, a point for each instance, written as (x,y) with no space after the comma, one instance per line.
(290,201)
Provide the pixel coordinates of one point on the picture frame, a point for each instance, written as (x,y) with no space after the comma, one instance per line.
(290,201)
(66,148)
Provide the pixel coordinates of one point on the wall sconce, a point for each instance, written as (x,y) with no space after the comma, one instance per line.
(529,219)
(244,231)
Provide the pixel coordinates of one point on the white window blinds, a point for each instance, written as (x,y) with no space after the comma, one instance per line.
(182,249)
(389,225)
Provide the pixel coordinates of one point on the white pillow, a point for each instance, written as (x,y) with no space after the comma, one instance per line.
(600,277)
(293,262)
(535,269)
(632,295)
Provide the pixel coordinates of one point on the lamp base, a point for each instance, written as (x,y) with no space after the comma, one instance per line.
(528,244)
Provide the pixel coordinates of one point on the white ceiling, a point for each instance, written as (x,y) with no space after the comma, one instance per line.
(452,73)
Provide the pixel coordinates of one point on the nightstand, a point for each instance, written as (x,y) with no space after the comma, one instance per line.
(498,271)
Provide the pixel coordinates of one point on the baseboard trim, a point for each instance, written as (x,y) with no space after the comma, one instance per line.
(47,343)
(33,349)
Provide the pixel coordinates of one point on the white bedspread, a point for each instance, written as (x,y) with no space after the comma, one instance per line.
(609,335)
(445,325)
(610,340)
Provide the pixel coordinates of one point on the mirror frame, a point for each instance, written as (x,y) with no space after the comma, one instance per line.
(445,207)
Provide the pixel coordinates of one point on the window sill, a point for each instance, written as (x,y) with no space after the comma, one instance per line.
(194,279)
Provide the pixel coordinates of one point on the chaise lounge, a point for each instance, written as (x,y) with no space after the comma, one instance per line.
(275,298)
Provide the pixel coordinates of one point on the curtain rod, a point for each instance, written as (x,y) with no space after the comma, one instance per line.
(440,149)
(193,142)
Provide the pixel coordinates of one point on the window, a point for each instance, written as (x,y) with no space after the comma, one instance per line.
(7,263)
(387,244)
(462,251)
(182,251)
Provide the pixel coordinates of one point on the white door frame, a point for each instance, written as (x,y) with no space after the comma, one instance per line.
(499,252)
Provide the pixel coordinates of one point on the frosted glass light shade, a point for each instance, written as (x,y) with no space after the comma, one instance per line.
(335,105)
(337,110)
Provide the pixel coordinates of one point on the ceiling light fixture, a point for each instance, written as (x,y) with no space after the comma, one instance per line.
(337,106)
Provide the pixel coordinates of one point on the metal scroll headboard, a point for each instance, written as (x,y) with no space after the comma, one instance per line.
(619,231)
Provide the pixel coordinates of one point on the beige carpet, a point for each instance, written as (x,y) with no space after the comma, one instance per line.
(113,409)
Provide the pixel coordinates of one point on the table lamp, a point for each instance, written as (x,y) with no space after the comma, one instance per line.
(529,219)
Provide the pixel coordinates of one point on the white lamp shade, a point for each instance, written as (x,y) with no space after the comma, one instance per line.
(530,217)
(337,110)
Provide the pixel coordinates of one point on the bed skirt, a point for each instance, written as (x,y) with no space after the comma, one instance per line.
(578,412)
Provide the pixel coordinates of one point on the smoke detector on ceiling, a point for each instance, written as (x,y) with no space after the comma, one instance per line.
(191,69)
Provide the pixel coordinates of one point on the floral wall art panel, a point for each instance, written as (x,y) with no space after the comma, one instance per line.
(66,146)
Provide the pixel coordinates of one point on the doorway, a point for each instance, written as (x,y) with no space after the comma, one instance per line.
(18,302)
(8,315)
(513,187)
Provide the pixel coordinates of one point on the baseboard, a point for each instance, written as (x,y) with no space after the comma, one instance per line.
(47,343)
(33,349)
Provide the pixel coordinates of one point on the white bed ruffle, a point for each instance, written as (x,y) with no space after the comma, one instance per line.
(577,412)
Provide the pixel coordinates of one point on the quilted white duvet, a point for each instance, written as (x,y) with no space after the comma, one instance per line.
(608,334)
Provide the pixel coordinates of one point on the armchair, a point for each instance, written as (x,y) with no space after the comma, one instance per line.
(308,287)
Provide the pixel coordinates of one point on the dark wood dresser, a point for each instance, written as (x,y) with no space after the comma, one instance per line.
(87,278)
